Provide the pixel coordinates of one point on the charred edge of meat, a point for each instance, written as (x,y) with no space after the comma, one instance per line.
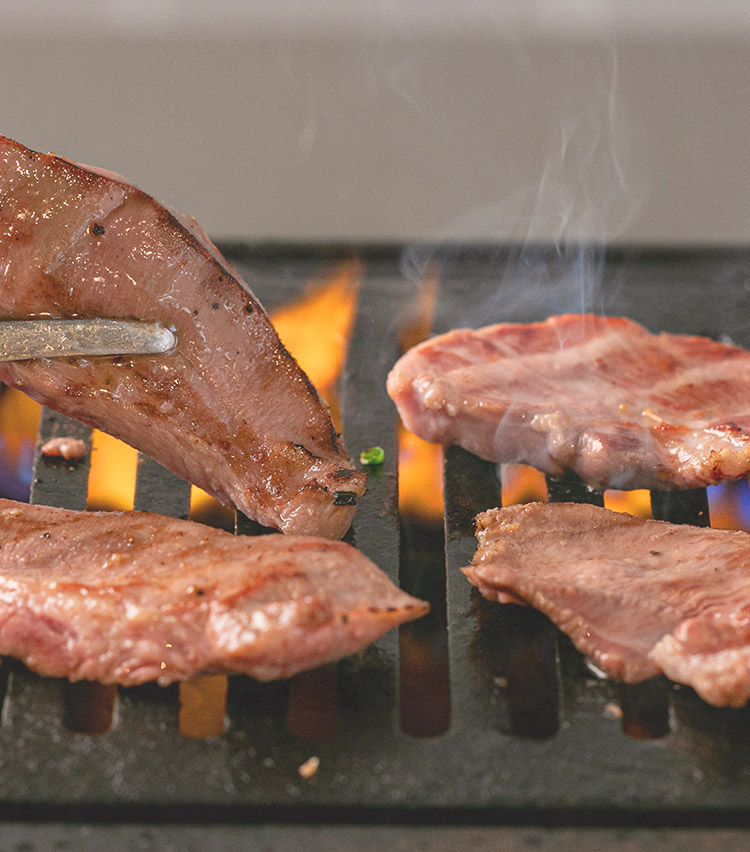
(304,449)
(728,426)
(344,498)
(344,473)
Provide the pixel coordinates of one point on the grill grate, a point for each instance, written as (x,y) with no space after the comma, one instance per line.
(531,737)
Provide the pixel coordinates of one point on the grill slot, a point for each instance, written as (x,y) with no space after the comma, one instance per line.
(89,707)
(469,486)
(570,488)
(645,708)
(681,507)
(533,735)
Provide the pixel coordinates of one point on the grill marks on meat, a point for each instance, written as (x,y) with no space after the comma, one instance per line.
(130,597)
(602,397)
(230,410)
(639,597)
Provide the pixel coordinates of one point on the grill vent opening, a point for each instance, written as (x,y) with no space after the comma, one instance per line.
(89,707)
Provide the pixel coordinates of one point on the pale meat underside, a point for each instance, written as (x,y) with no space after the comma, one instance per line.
(229,410)
(130,597)
(639,597)
(602,397)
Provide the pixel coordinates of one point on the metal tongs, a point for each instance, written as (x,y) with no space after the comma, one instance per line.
(58,338)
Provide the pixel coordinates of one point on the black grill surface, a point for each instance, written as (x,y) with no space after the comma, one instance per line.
(532,741)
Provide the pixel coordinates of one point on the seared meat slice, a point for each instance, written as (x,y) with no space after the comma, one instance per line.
(230,410)
(129,597)
(639,597)
(619,406)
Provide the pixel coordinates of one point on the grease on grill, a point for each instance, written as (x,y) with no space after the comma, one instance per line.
(344,498)
(68,448)
(309,767)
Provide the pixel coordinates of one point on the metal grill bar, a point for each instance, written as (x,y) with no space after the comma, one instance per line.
(56,482)
(369,420)
(368,417)
(158,490)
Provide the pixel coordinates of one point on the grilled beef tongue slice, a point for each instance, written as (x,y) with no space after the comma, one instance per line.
(602,397)
(229,410)
(130,597)
(639,597)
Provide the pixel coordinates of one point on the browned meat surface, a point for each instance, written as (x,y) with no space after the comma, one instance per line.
(619,406)
(639,597)
(230,410)
(129,597)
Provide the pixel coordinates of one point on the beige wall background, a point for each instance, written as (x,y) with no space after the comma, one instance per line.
(341,120)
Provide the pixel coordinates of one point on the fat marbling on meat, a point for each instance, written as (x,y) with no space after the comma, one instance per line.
(639,597)
(130,597)
(229,410)
(602,397)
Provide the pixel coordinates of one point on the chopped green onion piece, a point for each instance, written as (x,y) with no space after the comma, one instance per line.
(374,455)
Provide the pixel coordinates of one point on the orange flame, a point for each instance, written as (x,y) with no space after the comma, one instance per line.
(316,329)
(19,414)
(522,484)
(726,506)
(420,464)
(19,422)
(112,475)
(420,477)
(632,502)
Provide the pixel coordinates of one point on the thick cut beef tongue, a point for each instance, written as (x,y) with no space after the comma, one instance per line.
(229,410)
(602,397)
(130,597)
(639,597)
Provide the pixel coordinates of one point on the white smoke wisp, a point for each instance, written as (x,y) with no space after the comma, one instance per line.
(552,233)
